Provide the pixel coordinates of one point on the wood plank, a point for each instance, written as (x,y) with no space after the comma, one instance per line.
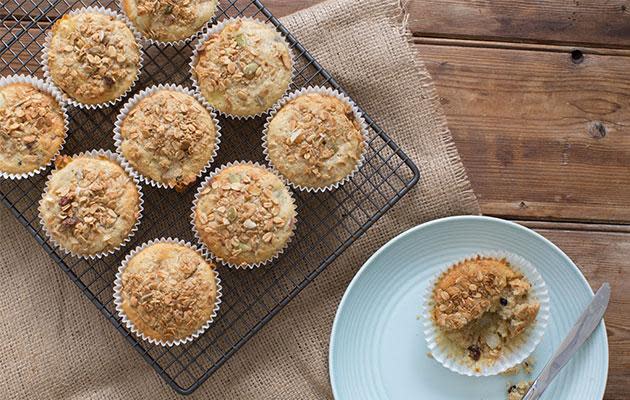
(578,22)
(541,136)
(581,23)
(602,257)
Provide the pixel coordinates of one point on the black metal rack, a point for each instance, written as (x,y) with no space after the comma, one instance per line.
(327,222)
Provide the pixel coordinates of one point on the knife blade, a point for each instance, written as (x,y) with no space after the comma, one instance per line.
(582,330)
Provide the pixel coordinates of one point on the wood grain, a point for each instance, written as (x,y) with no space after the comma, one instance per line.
(603,257)
(546,140)
(578,22)
(541,136)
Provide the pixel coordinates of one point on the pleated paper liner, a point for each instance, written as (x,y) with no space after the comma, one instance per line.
(131,103)
(120,161)
(323,91)
(129,324)
(47,88)
(208,251)
(66,97)
(218,28)
(517,349)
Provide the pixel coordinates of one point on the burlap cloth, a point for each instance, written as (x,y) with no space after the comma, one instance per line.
(55,345)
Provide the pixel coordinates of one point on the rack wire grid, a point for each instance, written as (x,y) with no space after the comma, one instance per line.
(327,222)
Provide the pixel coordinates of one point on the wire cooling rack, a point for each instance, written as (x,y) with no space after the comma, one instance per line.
(327,222)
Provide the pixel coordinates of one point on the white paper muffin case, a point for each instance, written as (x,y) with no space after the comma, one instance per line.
(66,97)
(131,103)
(205,248)
(50,89)
(118,297)
(325,91)
(520,349)
(218,28)
(119,160)
(180,42)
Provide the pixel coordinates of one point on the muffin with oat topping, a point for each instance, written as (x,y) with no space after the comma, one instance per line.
(93,57)
(90,205)
(167,20)
(315,139)
(481,306)
(243,67)
(168,136)
(168,291)
(32,128)
(244,214)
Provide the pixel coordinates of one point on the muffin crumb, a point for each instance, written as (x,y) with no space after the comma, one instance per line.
(481,306)
(518,390)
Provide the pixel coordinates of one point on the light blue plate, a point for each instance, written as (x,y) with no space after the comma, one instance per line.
(377,348)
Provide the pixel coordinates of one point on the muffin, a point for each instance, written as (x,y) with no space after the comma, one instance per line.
(244,215)
(315,139)
(482,307)
(242,67)
(32,126)
(167,292)
(167,135)
(169,21)
(91,205)
(92,56)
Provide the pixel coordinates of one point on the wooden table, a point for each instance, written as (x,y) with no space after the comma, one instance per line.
(537,96)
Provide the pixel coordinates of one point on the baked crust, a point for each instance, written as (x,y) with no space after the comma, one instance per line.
(32,128)
(90,206)
(244,69)
(169,21)
(168,136)
(482,304)
(314,140)
(93,58)
(245,214)
(168,291)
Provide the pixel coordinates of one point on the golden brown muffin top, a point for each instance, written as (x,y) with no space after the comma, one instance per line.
(472,287)
(168,136)
(244,69)
(168,20)
(245,214)
(91,204)
(168,291)
(93,57)
(315,140)
(32,128)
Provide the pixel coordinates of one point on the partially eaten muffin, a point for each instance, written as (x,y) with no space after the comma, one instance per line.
(482,306)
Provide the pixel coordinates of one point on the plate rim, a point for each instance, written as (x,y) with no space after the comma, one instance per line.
(412,230)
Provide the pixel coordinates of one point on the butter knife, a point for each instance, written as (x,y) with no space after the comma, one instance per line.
(582,330)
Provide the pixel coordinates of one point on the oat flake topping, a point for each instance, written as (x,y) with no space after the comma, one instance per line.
(245,68)
(91,204)
(168,291)
(245,214)
(31,128)
(474,287)
(169,20)
(315,140)
(93,57)
(169,137)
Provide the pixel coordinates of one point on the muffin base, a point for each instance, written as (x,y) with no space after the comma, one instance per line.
(52,90)
(131,327)
(46,48)
(357,115)
(519,347)
(123,163)
(129,105)
(205,248)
